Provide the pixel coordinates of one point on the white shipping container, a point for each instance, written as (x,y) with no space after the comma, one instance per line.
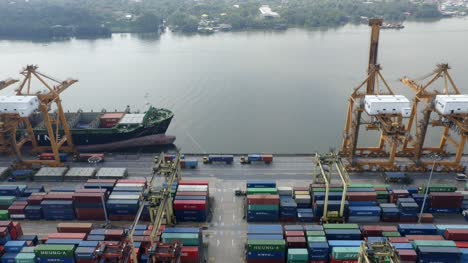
(192,188)
(451,104)
(387,104)
(284,190)
(130,185)
(124,197)
(22,105)
(302,199)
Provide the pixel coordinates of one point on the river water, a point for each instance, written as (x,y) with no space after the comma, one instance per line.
(279,92)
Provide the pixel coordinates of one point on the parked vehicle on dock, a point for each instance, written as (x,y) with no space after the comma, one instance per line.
(84,157)
(460,177)
(212,158)
(50,156)
(266,158)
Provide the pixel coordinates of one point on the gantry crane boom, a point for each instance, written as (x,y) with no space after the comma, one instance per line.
(414,146)
(391,126)
(160,203)
(7,82)
(56,124)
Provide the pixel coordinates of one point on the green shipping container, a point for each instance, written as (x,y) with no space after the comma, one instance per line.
(25,258)
(298,255)
(187,239)
(315,233)
(4,215)
(361,186)
(261,191)
(345,253)
(440,188)
(340,226)
(316,239)
(54,251)
(7,200)
(263,207)
(391,234)
(335,189)
(376,186)
(382,194)
(432,243)
(266,245)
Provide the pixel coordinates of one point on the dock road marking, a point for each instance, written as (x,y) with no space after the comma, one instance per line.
(217,242)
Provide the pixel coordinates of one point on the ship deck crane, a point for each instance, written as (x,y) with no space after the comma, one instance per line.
(324,168)
(453,125)
(391,127)
(160,207)
(379,252)
(48,95)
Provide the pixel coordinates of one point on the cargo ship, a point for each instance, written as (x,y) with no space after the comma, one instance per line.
(105,131)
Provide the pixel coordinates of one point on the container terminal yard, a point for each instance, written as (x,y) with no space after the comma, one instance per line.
(400,201)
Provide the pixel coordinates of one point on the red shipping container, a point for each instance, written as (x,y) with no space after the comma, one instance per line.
(456,234)
(296,242)
(445,204)
(147,232)
(108,181)
(263,200)
(15,210)
(190,255)
(18,228)
(85,261)
(424,237)
(81,236)
(88,197)
(190,205)
(407,254)
(294,233)
(35,199)
(74,227)
(361,196)
(90,214)
(398,240)
(192,194)
(377,230)
(461,244)
(193,182)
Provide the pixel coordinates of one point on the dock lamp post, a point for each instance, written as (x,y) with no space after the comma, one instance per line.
(95,160)
(434,158)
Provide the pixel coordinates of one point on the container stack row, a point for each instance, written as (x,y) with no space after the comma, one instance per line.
(191,202)
(363,203)
(341,242)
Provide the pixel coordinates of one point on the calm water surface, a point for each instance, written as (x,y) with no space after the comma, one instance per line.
(242,91)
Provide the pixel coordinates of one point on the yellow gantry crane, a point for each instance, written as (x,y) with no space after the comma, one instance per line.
(388,123)
(325,166)
(58,131)
(379,252)
(454,122)
(161,211)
